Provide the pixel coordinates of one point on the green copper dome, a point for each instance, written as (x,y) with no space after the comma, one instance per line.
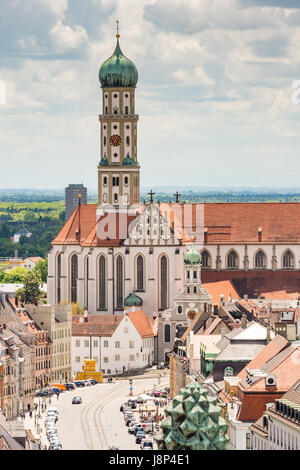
(118,71)
(128,161)
(133,300)
(103,161)
(192,257)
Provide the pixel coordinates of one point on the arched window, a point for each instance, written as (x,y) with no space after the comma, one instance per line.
(206,259)
(127,141)
(163,282)
(140,273)
(126,109)
(74,277)
(102,283)
(167,334)
(179,309)
(260,260)
(86,300)
(288,260)
(119,292)
(232,260)
(58,292)
(228,372)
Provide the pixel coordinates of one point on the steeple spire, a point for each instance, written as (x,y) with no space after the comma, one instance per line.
(117,35)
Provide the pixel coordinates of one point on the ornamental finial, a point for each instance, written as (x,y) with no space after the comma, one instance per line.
(117,35)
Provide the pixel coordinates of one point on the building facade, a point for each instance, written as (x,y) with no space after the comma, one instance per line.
(57,320)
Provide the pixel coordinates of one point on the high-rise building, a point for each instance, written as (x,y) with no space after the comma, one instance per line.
(72,193)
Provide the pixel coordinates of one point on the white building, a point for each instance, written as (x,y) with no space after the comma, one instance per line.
(279,427)
(118,343)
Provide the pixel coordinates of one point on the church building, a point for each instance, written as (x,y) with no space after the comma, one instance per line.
(107,252)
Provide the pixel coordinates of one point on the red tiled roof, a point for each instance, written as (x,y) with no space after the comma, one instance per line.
(141,323)
(216,289)
(277,344)
(226,223)
(98,325)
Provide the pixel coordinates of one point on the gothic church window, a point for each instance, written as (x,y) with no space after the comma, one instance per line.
(232,260)
(140,273)
(74,277)
(260,260)
(59,278)
(163,282)
(206,259)
(288,261)
(102,282)
(119,283)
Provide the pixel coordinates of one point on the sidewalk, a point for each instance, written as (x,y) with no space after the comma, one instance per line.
(36,424)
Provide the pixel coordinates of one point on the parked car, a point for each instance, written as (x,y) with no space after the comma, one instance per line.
(129,420)
(113,448)
(76,401)
(41,393)
(139,436)
(132,426)
(160,365)
(94,381)
(87,383)
(146,443)
(138,429)
(79,383)
(70,386)
(147,427)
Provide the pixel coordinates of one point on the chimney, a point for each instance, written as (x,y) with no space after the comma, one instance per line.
(259,233)
(269,333)
(244,321)
(85,316)
(223,332)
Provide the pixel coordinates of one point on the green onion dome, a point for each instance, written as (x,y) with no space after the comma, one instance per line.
(128,161)
(118,71)
(103,161)
(133,300)
(192,257)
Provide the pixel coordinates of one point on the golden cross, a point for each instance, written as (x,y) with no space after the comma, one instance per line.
(117,35)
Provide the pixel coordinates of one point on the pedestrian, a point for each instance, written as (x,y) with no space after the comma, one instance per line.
(30,414)
(57,395)
(35,406)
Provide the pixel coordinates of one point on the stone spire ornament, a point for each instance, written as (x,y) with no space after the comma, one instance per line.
(193,422)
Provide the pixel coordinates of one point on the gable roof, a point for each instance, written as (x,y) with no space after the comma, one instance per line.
(277,344)
(218,288)
(141,323)
(230,223)
(98,325)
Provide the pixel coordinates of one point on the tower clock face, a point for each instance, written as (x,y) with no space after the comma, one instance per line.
(191,315)
(115,140)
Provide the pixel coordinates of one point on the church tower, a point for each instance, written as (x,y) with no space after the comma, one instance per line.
(118,169)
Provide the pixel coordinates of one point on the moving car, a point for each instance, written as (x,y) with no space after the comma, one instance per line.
(76,401)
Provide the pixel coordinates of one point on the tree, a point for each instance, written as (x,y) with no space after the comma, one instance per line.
(4,231)
(42,268)
(32,282)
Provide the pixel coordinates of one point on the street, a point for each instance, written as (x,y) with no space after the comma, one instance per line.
(96,423)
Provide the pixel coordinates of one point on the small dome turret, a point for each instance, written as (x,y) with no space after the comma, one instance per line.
(132,300)
(192,257)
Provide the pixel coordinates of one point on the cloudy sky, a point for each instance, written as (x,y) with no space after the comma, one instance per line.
(214,95)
